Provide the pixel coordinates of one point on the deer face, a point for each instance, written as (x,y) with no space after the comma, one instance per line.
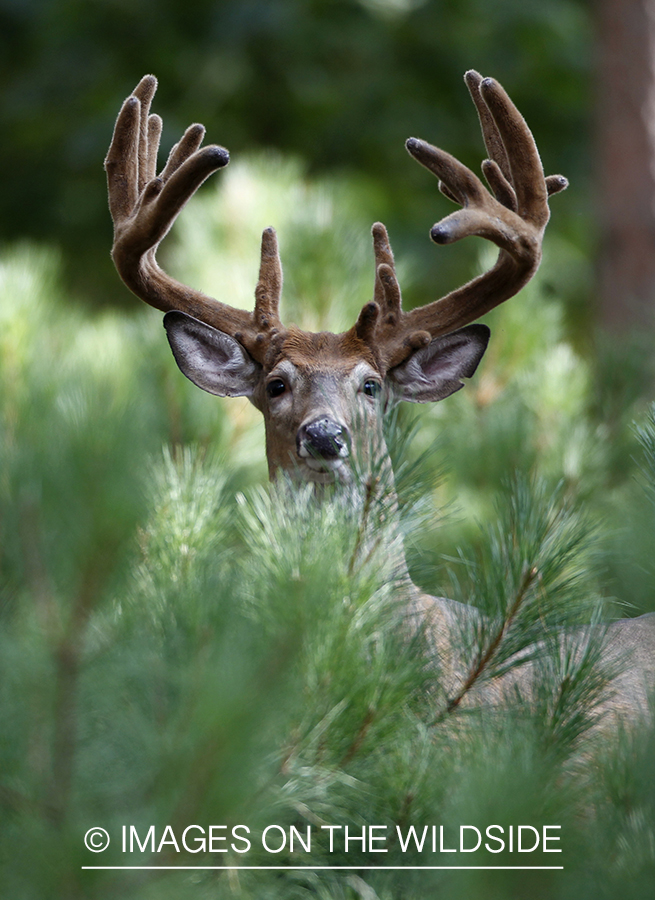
(321,389)
(320,394)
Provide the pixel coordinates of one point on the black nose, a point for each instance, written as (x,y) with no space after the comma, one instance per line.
(323,437)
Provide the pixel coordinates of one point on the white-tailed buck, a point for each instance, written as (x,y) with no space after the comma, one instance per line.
(315,389)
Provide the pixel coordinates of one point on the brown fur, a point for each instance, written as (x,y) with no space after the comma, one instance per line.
(323,351)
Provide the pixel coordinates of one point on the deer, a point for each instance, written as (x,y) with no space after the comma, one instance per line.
(320,392)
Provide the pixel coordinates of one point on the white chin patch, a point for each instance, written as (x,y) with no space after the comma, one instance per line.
(325,471)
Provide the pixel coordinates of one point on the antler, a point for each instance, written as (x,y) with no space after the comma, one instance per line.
(144,206)
(513,217)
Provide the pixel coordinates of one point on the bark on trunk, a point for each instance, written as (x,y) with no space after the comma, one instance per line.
(626,132)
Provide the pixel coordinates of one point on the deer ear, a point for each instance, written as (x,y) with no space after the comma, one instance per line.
(211,359)
(434,372)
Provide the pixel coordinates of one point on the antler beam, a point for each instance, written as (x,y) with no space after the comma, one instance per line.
(144,206)
(513,215)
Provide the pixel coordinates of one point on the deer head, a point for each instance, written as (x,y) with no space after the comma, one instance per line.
(318,390)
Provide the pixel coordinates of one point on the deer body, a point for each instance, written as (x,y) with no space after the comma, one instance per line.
(320,394)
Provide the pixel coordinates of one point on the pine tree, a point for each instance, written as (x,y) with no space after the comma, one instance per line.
(184,646)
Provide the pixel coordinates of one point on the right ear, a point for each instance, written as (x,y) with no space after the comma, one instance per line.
(435,371)
(211,359)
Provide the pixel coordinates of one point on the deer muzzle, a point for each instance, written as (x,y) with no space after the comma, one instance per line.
(323,439)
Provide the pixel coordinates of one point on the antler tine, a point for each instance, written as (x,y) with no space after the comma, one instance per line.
(527,174)
(185,147)
(500,181)
(144,207)
(382,315)
(514,218)
(149,132)
(492,139)
(496,169)
(387,289)
(385,308)
(121,163)
(383,257)
(269,286)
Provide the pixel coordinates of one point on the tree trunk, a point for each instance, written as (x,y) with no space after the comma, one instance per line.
(626,190)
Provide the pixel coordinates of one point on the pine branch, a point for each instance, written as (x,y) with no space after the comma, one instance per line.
(68,663)
(371,485)
(478,669)
(358,740)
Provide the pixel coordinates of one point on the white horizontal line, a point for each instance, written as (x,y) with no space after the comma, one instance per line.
(316,868)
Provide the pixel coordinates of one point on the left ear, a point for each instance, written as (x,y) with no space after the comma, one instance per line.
(434,372)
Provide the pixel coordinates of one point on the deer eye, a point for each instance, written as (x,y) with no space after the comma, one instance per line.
(372,388)
(275,387)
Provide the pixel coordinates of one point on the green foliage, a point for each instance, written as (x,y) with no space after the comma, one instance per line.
(181,645)
(324,234)
(530,572)
(341,84)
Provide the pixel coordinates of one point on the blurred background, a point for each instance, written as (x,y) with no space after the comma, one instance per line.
(338,85)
